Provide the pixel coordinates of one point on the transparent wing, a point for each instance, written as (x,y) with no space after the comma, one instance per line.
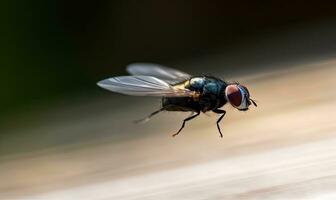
(142,86)
(167,74)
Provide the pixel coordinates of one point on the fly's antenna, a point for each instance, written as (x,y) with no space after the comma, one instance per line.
(254,102)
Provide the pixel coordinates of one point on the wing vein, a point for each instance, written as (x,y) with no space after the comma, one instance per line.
(142,86)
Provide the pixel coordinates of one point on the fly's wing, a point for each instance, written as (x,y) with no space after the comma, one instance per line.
(167,74)
(142,86)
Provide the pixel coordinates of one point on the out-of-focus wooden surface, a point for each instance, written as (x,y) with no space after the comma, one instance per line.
(284,149)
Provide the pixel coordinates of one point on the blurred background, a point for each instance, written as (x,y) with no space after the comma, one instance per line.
(59,131)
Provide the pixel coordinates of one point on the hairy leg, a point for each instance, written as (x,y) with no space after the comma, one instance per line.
(185,120)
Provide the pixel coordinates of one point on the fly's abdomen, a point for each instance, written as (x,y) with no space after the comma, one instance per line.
(180,104)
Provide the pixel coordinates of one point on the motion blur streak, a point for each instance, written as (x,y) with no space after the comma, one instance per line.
(284,149)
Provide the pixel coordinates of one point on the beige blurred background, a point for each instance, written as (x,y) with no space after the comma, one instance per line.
(62,137)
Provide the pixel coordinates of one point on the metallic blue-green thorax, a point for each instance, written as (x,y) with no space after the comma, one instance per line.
(210,95)
(207,85)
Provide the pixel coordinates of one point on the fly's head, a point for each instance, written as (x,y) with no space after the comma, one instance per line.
(239,96)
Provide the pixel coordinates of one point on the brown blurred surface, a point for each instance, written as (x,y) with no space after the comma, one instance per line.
(284,149)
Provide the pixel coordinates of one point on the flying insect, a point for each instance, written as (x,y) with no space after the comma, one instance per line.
(180,91)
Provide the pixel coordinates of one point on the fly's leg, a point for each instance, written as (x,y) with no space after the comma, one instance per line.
(191,114)
(223,112)
(184,121)
(149,116)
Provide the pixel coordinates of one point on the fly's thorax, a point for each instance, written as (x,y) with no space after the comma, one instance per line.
(197,83)
(208,91)
(211,91)
(200,83)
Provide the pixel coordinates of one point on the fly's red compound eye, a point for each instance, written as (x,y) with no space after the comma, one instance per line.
(234,95)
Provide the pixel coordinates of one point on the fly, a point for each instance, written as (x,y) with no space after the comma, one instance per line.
(180,91)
